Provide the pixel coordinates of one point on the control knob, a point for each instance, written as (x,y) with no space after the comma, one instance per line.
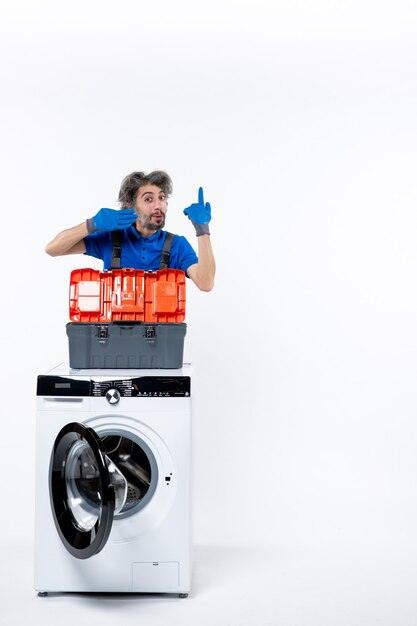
(113,396)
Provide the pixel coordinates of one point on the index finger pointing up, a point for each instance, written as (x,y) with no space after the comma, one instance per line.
(200,196)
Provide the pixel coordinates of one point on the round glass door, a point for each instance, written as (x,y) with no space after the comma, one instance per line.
(86,490)
(82,481)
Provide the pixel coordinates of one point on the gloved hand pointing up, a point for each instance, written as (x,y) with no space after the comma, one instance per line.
(199,214)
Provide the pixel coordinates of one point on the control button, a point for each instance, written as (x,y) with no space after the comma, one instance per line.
(113,396)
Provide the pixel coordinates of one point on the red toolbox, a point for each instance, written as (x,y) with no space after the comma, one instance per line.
(127,295)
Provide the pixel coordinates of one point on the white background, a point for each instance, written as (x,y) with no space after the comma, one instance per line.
(299,120)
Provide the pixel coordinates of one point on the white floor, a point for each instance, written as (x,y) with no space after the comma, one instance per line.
(238,586)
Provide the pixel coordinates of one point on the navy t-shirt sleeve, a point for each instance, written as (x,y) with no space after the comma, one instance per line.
(186,255)
(97,243)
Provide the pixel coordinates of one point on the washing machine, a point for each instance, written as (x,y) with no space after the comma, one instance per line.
(113,481)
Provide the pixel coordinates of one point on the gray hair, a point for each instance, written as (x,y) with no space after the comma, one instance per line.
(134,181)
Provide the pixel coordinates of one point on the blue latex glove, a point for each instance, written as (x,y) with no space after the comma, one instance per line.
(111,219)
(199,214)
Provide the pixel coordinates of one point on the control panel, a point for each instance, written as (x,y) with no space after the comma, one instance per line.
(114,389)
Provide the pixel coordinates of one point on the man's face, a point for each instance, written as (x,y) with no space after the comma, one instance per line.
(151,206)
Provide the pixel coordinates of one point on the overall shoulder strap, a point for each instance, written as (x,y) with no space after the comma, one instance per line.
(117,250)
(166,252)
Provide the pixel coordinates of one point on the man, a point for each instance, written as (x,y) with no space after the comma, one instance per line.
(144,202)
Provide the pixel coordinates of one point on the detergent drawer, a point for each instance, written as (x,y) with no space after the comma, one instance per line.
(126,345)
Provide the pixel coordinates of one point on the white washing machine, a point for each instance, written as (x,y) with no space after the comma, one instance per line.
(113,481)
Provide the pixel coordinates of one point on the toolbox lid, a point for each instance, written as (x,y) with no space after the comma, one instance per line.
(127,294)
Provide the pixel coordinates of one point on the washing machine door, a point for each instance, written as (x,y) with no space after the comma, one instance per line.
(81,491)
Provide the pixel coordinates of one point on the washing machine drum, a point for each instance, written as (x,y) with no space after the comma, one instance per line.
(86,490)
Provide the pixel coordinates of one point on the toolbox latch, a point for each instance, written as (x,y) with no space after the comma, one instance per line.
(150,333)
(102,333)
